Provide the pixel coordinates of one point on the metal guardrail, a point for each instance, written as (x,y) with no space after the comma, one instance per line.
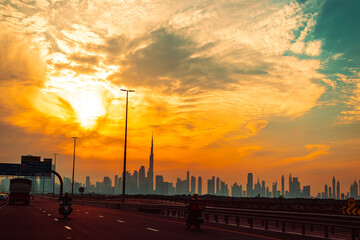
(351,224)
(328,223)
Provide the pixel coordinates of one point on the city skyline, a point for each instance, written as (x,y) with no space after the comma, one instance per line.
(139,182)
(227,88)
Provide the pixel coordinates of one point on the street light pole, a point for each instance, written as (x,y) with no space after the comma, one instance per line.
(55,154)
(126,116)
(72,186)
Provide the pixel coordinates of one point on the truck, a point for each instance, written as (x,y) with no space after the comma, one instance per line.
(20,189)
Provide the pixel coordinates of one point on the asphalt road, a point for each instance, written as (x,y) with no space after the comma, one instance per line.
(41,220)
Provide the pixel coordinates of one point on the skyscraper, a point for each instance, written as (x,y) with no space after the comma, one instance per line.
(282,185)
(187,190)
(200,186)
(333,187)
(326,191)
(142,184)
(249,185)
(88,183)
(291,193)
(193,184)
(150,175)
(217,185)
(338,190)
(211,186)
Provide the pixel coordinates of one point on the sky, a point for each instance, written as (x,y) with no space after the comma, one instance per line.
(227,87)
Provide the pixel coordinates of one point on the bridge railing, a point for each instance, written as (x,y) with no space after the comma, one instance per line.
(349,225)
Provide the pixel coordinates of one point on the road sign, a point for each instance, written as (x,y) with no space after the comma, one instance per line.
(9,169)
(81,189)
(350,208)
(30,158)
(42,169)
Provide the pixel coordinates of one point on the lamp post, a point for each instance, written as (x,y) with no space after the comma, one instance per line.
(126,116)
(72,185)
(55,154)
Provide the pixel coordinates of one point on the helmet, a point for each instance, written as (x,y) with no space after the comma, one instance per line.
(195,196)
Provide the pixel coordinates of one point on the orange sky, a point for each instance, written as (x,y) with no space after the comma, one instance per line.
(226,89)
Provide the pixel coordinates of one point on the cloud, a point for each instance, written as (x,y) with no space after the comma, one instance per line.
(19,62)
(319,150)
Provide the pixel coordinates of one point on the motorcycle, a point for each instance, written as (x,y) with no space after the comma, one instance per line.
(194,218)
(194,214)
(65,209)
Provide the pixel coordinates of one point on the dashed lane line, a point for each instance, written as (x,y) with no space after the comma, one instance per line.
(68,228)
(86,212)
(119,221)
(56,219)
(100,216)
(44,211)
(49,214)
(152,229)
(77,210)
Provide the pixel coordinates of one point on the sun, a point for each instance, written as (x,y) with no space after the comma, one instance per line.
(86,99)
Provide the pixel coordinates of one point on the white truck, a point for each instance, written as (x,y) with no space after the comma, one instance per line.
(20,189)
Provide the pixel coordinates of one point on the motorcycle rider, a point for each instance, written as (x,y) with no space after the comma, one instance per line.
(194,212)
(66,199)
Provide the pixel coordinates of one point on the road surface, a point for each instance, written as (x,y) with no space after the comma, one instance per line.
(41,220)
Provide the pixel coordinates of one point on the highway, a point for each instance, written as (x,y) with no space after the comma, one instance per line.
(41,220)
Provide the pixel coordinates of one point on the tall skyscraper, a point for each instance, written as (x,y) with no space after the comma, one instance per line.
(338,190)
(291,191)
(217,186)
(187,182)
(150,176)
(199,186)
(88,183)
(193,184)
(211,186)
(333,187)
(282,185)
(249,185)
(326,191)
(142,183)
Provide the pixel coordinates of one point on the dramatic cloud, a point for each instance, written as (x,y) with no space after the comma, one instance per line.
(211,77)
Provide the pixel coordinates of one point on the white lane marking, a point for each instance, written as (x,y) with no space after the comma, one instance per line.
(56,219)
(49,214)
(68,228)
(152,229)
(44,211)
(120,221)
(101,216)
(77,210)
(86,212)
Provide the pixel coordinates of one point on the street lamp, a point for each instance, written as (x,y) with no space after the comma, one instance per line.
(72,186)
(126,116)
(55,154)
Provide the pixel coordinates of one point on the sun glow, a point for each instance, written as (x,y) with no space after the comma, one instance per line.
(88,99)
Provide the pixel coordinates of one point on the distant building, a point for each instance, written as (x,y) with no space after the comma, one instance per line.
(354,190)
(282,185)
(193,184)
(249,185)
(236,190)
(211,186)
(333,187)
(306,191)
(200,186)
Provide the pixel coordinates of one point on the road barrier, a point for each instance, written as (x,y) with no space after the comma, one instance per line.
(306,221)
